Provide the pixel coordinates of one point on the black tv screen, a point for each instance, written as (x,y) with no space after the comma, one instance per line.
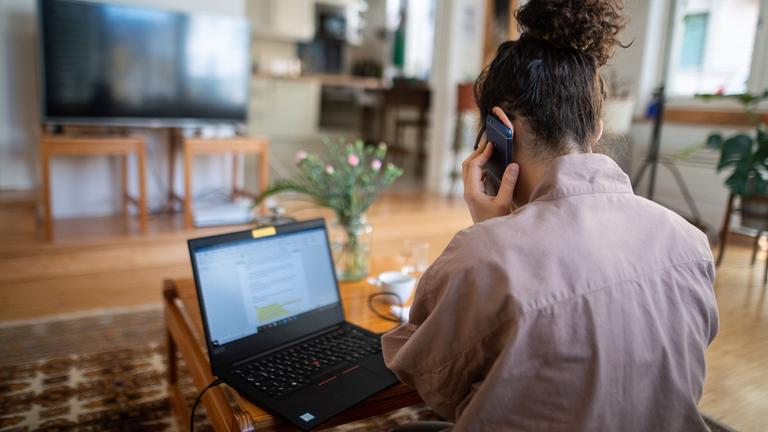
(108,63)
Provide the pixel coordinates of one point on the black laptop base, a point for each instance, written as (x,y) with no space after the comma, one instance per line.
(316,378)
(274,323)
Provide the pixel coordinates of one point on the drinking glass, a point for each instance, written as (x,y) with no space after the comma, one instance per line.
(415,256)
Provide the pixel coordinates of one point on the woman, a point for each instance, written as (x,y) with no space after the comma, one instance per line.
(571,303)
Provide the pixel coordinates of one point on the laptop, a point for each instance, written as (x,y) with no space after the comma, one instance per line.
(275,327)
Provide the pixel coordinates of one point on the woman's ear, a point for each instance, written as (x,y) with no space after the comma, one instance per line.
(599,130)
(501,115)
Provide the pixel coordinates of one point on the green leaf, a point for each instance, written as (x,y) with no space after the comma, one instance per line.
(762,137)
(735,149)
(281,186)
(761,153)
(760,185)
(737,182)
(746,98)
(715,140)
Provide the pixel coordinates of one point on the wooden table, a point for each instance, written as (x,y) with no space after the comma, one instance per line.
(121,146)
(185,336)
(237,146)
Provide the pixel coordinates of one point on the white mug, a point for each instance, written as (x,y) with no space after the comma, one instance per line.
(397,283)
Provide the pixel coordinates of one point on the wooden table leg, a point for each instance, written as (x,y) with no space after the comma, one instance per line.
(187,199)
(47,212)
(172,372)
(142,165)
(725,229)
(217,407)
(765,273)
(383,120)
(235,172)
(174,136)
(421,154)
(178,403)
(755,247)
(124,197)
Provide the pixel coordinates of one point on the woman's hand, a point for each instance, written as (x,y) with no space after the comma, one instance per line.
(481,205)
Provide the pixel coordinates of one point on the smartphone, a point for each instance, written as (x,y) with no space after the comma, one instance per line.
(500,137)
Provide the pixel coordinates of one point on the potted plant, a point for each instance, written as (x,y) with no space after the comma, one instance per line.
(348,181)
(746,156)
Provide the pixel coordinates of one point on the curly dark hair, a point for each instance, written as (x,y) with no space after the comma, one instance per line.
(549,77)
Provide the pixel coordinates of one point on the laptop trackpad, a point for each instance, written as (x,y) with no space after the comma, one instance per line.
(338,392)
(357,382)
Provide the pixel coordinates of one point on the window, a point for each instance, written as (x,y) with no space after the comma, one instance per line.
(713,45)
(694,35)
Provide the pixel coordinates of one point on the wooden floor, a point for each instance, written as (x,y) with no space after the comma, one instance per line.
(104,263)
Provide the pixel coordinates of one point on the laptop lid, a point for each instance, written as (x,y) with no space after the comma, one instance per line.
(263,288)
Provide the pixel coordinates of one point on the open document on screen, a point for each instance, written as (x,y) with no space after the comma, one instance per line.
(249,285)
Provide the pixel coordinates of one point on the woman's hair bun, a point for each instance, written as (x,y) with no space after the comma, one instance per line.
(588,26)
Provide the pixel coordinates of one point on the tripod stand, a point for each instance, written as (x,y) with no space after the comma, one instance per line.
(654,159)
(657,109)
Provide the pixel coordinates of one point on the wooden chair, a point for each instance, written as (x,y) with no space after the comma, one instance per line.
(237,146)
(465,106)
(123,147)
(725,230)
(407,95)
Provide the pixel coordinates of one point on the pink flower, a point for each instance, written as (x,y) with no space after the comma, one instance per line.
(300,156)
(376,164)
(329,170)
(353,160)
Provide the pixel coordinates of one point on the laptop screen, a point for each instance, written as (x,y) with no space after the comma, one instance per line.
(256,285)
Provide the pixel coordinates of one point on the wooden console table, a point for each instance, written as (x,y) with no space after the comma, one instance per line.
(53,145)
(186,337)
(236,146)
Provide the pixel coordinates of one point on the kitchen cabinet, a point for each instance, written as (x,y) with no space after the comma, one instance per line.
(352,10)
(285,20)
(285,108)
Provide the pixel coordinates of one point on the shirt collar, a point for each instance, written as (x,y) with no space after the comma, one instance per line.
(581,174)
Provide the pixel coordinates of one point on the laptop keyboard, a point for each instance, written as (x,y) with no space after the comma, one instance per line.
(298,366)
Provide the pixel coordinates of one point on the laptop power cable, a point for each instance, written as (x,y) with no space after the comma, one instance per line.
(388,317)
(213,384)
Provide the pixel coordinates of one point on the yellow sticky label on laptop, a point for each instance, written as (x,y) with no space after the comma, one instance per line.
(263,232)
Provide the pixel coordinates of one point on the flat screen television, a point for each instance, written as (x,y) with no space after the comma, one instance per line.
(125,65)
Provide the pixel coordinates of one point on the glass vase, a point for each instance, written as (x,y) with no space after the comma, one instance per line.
(351,239)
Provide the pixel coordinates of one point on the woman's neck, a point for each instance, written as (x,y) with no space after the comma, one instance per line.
(532,172)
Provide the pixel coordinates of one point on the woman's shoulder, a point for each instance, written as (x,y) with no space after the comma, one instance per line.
(480,245)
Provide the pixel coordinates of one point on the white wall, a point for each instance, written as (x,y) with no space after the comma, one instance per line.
(18,94)
(457,58)
(82,186)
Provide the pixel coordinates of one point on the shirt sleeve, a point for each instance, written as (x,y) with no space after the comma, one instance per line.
(449,342)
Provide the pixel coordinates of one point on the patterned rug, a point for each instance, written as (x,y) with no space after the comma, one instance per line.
(114,390)
(106,372)
(44,387)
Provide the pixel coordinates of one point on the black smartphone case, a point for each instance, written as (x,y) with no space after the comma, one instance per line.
(500,136)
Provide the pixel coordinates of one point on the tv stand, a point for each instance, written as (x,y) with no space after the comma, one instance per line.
(237,146)
(72,145)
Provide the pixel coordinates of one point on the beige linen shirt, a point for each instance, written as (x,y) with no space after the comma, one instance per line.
(588,309)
